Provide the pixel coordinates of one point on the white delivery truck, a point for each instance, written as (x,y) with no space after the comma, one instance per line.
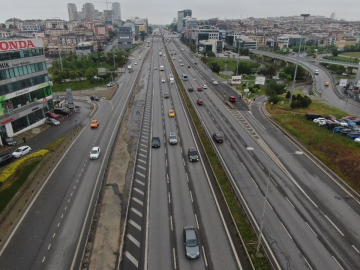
(160,53)
(162,68)
(129,68)
(172,80)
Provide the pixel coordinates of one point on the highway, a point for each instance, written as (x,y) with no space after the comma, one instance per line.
(181,193)
(54,227)
(310,221)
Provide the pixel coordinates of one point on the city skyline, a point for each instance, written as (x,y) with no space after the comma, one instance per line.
(201,10)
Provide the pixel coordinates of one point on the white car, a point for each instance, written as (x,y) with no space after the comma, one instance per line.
(316,120)
(322,122)
(215,82)
(162,80)
(52,121)
(135,63)
(204,86)
(155,68)
(95,152)
(133,58)
(357,140)
(21,151)
(342,123)
(181,64)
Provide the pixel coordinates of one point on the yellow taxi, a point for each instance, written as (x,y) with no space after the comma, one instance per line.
(171,113)
(327,84)
(94,123)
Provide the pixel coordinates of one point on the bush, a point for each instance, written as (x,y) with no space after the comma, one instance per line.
(288,94)
(13,167)
(274,99)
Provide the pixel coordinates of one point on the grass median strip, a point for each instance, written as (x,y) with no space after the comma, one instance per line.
(237,212)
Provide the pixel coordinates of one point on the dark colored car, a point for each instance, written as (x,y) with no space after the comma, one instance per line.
(9,141)
(190,89)
(331,117)
(166,95)
(331,125)
(312,116)
(193,154)
(353,135)
(96,98)
(338,129)
(349,129)
(189,67)
(62,111)
(191,243)
(200,102)
(156,142)
(6,159)
(195,63)
(218,137)
(52,115)
(232,99)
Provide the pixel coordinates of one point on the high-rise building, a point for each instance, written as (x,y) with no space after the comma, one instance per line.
(72,12)
(25,88)
(181,15)
(89,11)
(332,16)
(117,11)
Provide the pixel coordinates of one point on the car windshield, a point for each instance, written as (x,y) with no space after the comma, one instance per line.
(94,151)
(193,153)
(155,140)
(18,150)
(93,122)
(191,243)
(172,137)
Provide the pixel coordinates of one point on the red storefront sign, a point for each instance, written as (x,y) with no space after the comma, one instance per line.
(16,45)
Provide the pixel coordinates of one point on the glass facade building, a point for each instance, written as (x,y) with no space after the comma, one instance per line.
(25,87)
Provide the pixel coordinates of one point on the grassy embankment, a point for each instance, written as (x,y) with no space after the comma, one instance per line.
(17,176)
(338,152)
(342,59)
(351,54)
(79,85)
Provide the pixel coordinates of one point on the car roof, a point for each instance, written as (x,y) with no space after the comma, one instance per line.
(172,134)
(96,148)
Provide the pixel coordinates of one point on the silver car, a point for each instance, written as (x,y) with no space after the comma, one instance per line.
(21,151)
(95,152)
(191,243)
(172,138)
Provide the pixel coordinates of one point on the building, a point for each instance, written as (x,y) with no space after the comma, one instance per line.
(246,43)
(181,15)
(84,48)
(31,26)
(25,92)
(286,41)
(332,16)
(117,11)
(108,15)
(89,12)
(190,23)
(203,33)
(125,37)
(72,10)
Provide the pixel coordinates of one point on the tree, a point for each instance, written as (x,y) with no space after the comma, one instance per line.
(73,75)
(90,73)
(215,67)
(290,70)
(210,54)
(274,89)
(335,52)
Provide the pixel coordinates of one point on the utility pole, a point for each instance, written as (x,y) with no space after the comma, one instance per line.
(59,54)
(297,59)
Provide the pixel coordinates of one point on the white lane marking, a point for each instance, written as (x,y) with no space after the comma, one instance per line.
(139,191)
(62,215)
(132,239)
(138,181)
(58,224)
(143,150)
(132,259)
(171,223)
(141,174)
(191,197)
(144,145)
(307,262)
(137,200)
(54,235)
(169,197)
(205,259)
(260,165)
(175,267)
(136,211)
(234,153)
(43,259)
(49,246)
(337,262)
(197,222)
(187,177)
(332,223)
(290,202)
(144,140)
(141,167)
(137,226)
(311,229)
(142,155)
(74,187)
(141,160)
(355,249)
(286,230)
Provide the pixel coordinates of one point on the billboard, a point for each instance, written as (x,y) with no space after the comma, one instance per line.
(343,82)
(12,45)
(236,79)
(260,80)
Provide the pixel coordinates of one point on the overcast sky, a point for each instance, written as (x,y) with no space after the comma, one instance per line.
(163,12)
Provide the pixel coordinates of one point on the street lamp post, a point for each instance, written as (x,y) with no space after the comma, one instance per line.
(266,192)
(297,59)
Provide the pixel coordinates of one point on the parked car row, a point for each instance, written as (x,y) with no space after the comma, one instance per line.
(346,126)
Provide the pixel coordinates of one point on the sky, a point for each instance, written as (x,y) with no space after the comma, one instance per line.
(163,12)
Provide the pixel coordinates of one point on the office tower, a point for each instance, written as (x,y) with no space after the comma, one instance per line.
(117,11)
(72,12)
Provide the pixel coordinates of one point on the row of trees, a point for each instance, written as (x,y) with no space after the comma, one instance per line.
(76,67)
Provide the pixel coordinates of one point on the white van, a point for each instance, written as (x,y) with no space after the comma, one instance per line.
(316,72)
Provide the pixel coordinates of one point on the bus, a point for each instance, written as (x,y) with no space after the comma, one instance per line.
(185,78)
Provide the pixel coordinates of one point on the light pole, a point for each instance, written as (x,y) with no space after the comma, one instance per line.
(237,65)
(266,191)
(297,60)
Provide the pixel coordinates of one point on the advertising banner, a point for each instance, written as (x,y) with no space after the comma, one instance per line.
(260,80)
(236,79)
(343,82)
